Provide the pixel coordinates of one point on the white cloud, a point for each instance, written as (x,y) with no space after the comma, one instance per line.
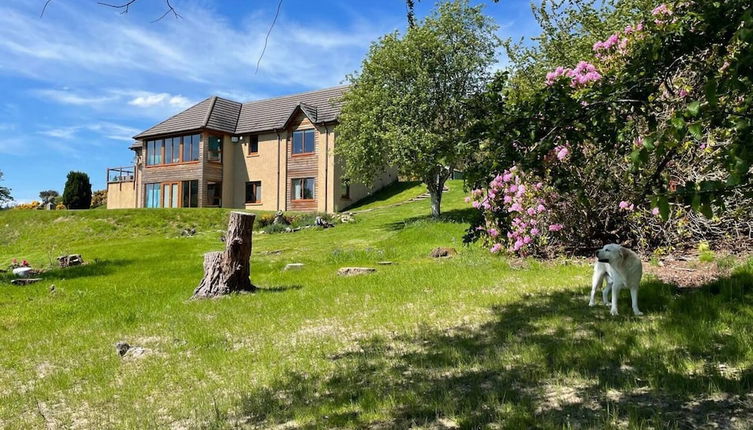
(68,97)
(105,130)
(161,99)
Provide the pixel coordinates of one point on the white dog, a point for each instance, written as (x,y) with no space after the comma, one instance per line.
(623,269)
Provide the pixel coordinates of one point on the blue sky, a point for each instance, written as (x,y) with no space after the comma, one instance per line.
(78,82)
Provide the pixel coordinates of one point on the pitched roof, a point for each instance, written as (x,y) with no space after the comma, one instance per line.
(228,116)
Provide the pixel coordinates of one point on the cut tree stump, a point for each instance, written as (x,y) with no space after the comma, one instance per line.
(228,271)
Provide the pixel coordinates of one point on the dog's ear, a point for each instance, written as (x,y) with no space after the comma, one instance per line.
(623,252)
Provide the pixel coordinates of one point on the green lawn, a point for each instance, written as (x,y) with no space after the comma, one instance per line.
(475,341)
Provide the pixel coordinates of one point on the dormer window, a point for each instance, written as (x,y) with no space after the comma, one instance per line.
(303,142)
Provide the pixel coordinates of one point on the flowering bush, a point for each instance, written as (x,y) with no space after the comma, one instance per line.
(28,206)
(516,213)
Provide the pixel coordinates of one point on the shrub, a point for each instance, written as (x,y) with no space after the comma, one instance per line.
(28,206)
(78,191)
(99,198)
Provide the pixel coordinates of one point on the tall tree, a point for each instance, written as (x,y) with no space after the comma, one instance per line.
(4,192)
(78,191)
(411,105)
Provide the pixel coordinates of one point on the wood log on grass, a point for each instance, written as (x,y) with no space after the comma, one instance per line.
(228,271)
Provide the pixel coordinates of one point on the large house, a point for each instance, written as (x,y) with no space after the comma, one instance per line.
(274,154)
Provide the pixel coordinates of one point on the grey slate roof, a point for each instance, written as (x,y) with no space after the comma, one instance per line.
(228,116)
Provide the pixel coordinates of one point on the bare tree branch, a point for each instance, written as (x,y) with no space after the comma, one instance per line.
(125,8)
(266,39)
(44,8)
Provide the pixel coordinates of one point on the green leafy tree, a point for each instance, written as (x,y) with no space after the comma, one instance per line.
(4,192)
(78,191)
(411,105)
(48,196)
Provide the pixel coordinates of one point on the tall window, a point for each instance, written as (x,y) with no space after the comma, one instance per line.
(303,189)
(214,149)
(253,145)
(214,193)
(172,150)
(191,147)
(190,194)
(303,142)
(154,150)
(253,192)
(152,196)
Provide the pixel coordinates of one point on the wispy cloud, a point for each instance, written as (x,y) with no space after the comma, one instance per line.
(105,130)
(160,99)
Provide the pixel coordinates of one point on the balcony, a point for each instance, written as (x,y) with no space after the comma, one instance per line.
(117,175)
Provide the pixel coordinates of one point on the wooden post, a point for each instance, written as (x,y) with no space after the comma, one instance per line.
(228,272)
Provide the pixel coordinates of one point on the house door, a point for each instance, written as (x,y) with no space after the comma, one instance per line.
(171,195)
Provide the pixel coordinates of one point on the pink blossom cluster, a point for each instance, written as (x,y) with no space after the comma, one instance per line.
(583,73)
(511,200)
(561,152)
(627,206)
(661,13)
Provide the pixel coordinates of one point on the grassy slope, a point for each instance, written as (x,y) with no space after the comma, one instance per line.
(473,340)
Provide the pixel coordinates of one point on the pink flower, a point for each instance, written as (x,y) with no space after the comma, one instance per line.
(628,29)
(495,248)
(555,227)
(513,188)
(540,208)
(531,211)
(535,231)
(661,10)
(639,27)
(493,232)
(515,207)
(655,211)
(638,142)
(507,199)
(682,93)
(627,206)
(476,204)
(518,244)
(527,239)
(467,199)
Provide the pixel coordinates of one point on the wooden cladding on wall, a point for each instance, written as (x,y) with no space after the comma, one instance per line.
(302,166)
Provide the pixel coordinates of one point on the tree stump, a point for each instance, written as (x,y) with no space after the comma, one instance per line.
(228,271)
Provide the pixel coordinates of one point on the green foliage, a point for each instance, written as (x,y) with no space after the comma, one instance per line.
(78,191)
(48,196)
(99,199)
(410,106)
(4,192)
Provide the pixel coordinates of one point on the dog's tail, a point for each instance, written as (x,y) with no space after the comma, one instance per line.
(598,278)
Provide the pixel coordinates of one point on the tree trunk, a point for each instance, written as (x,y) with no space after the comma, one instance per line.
(435,185)
(228,272)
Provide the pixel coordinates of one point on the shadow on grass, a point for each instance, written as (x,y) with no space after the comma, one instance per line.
(462,216)
(384,194)
(546,361)
(278,289)
(94,268)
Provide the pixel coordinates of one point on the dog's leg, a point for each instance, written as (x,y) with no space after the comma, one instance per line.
(634,297)
(607,290)
(615,294)
(596,282)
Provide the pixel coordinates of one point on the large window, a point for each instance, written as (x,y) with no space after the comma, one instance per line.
(303,142)
(214,193)
(191,147)
(253,145)
(172,150)
(152,196)
(303,189)
(190,194)
(214,150)
(253,192)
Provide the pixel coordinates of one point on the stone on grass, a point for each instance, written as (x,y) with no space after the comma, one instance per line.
(293,266)
(442,252)
(353,271)
(385,263)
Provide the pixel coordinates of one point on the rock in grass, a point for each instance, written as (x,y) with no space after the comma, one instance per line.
(442,252)
(385,263)
(293,266)
(122,348)
(353,271)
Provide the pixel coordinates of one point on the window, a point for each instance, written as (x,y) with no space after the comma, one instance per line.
(215,149)
(253,145)
(191,147)
(253,192)
(214,193)
(303,189)
(172,150)
(303,142)
(345,189)
(154,152)
(152,196)
(190,194)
